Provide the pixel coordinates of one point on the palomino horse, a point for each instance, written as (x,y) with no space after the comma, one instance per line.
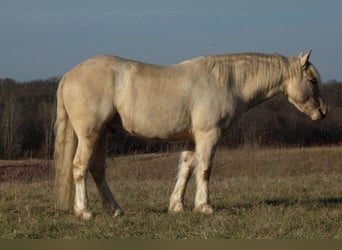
(194,101)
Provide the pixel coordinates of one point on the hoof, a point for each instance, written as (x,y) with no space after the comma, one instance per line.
(118,213)
(114,210)
(176,208)
(84,215)
(204,209)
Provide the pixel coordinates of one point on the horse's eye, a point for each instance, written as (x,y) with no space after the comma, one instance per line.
(313,81)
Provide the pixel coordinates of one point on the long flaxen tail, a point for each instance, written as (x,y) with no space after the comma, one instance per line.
(65,148)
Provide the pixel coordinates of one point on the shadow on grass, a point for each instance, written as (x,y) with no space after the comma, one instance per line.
(320,202)
(332,201)
(158,210)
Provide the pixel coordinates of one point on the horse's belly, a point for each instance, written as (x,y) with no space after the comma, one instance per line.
(162,127)
(163,135)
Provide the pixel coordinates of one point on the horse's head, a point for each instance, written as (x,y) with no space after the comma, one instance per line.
(303,89)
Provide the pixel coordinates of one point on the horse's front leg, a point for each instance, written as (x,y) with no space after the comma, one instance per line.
(205,150)
(185,166)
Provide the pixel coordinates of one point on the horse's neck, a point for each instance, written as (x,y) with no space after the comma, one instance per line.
(261,87)
(253,93)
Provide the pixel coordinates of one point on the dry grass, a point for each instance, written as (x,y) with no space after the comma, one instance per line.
(273,193)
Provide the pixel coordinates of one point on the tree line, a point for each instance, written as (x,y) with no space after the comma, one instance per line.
(28,110)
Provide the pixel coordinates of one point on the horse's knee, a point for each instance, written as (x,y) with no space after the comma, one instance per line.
(187,157)
(79,173)
(205,174)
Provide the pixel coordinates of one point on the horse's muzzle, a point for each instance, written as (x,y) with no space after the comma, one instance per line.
(320,113)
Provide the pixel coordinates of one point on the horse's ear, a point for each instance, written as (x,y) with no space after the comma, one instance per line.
(304,59)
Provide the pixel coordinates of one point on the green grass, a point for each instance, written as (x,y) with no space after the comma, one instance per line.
(257,193)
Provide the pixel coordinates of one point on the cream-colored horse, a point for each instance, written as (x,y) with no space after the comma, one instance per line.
(196,101)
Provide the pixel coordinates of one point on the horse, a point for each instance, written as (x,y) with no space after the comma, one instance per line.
(195,101)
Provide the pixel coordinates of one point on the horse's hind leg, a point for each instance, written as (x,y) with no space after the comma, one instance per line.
(185,166)
(84,152)
(97,170)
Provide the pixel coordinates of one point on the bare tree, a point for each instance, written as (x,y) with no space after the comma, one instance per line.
(47,112)
(9,127)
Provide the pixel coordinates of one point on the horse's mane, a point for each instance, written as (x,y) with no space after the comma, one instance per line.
(261,68)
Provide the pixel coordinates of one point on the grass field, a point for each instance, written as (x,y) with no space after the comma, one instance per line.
(257,193)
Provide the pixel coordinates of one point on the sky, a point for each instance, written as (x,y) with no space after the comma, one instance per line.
(46,38)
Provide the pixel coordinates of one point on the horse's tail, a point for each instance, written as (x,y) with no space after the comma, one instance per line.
(65,148)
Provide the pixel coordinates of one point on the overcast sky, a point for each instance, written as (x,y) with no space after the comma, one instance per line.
(46,38)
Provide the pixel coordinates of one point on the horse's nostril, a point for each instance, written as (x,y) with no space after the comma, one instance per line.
(323,113)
